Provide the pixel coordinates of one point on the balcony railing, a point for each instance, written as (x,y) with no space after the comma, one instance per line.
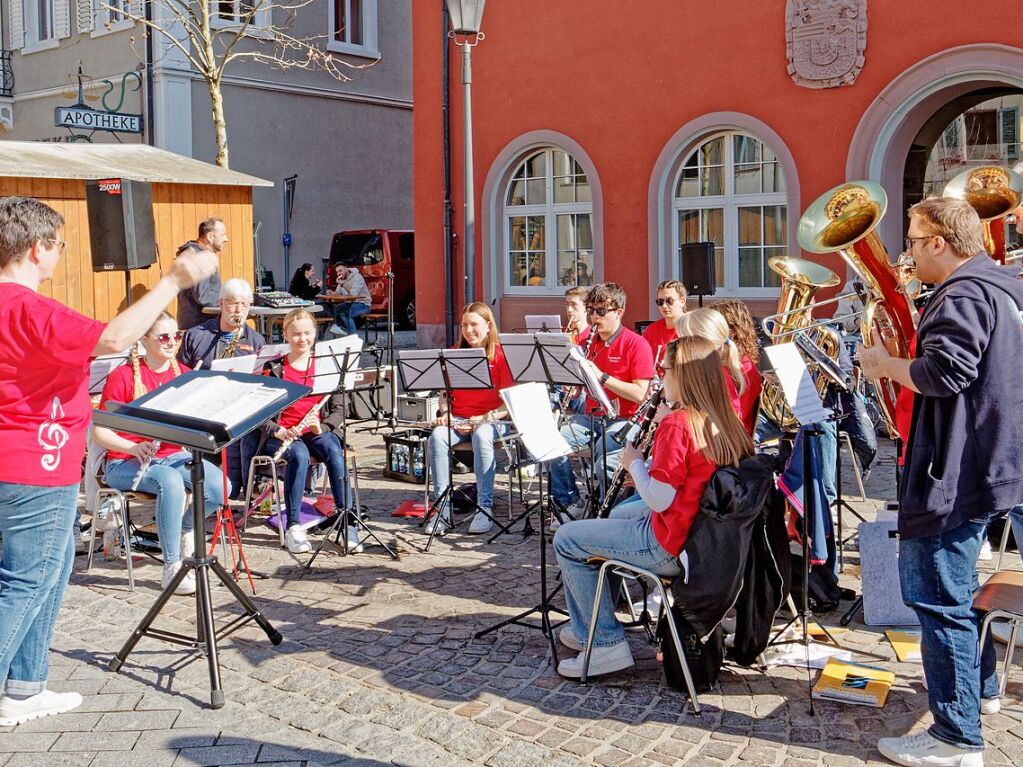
(6,74)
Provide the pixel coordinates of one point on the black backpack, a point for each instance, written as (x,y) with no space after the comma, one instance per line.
(704,658)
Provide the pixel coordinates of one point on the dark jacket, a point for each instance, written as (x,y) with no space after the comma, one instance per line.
(204,343)
(300,287)
(192,301)
(734,555)
(964,456)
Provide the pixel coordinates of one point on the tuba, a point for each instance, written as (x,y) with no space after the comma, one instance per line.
(844,220)
(994,192)
(800,281)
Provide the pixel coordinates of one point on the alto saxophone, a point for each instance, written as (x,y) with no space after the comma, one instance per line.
(307,420)
(644,441)
(232,346)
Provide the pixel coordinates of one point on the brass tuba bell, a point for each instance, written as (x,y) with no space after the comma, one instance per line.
(994,192)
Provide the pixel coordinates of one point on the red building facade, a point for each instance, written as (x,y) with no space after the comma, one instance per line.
(608,134)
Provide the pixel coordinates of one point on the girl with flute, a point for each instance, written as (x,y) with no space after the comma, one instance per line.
(161,469)
(477,415)
(301,432)
(690,444)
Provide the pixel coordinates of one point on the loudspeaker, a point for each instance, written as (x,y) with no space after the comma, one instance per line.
(121,227)
(697,272)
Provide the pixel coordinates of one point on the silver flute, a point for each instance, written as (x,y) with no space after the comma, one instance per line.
(143,466)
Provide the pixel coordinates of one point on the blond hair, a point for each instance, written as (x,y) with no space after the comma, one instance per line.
(139,388)
(296,314)
(711,324)
(717,430)
(492,342)
(740,327)
(955,221)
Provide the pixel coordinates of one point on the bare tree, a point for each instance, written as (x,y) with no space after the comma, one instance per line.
(213,34)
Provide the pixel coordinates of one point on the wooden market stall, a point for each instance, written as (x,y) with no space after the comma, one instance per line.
(185,192)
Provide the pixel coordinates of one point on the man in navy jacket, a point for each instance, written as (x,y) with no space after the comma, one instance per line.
(964,466)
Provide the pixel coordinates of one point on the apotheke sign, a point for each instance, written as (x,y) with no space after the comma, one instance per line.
(83,118)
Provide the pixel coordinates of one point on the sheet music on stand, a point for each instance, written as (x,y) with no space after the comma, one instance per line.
(244,364)
(529,407)
(543,323)
(101,367)
(553,358)
(796,383)
(332,354)
(419,369)
(216,398)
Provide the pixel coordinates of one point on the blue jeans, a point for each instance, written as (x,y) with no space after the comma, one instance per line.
(484,462)
(38,553)
(938,574)
(627,535)
(577,432)
(169,479)
(327,449)
(345,314)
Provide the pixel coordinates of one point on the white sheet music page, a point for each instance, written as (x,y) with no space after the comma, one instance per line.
(245,364)
(270,352)
(529,407)
(543,323)
(214,398)
(796,383)
(101,367)
(330,357)
(592,383)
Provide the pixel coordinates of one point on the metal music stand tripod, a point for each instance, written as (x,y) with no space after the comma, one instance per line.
(446,369)
(261,399)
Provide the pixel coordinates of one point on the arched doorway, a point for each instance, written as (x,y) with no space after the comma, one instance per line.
(895,139)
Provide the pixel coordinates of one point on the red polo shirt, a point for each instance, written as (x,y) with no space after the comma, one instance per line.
(628,358)
(659,335)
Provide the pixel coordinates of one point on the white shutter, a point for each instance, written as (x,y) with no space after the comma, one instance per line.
(17,29)
(135,8)
(84,16)
(61,18)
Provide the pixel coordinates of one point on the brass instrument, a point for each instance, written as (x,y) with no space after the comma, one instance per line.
(232,346)
(800,281)
(307,420)
(644,441)
(844,220)
(994,192)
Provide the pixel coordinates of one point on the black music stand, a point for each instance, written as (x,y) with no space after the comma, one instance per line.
(201,435)
(446,369)
(343,365)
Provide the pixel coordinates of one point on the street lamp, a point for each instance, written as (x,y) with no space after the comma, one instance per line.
(466,17)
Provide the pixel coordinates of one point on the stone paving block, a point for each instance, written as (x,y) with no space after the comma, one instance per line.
(136,758)
(137,720)
(191,737)
(74,721)
(214,756)
(88,741)
(29,742)
(82,759)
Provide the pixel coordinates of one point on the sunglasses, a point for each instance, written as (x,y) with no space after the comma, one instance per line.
(600,311)
(166,338)
(664,301)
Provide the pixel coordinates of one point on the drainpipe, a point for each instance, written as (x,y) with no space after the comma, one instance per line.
(150,98)
(449,256)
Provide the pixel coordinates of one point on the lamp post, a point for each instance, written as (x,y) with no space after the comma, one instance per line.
(466,17)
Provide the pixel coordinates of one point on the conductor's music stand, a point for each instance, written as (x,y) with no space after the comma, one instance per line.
(180,413)
(446,369)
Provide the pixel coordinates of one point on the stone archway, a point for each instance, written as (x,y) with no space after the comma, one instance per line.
(885,133)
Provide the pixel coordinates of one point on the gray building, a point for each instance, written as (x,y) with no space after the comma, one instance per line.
(349,143)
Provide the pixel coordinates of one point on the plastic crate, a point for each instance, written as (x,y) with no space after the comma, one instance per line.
(405,456)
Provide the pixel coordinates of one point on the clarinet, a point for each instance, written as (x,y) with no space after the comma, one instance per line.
(143,466)
(571,392)
(653,399)
(644,441)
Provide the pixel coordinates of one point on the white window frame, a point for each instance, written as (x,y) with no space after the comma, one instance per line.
(260,21)
(370,46)
(30,26)
(550,211)
(102,21)
(729,202)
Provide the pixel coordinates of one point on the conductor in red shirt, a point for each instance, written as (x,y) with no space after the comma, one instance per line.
(45,349)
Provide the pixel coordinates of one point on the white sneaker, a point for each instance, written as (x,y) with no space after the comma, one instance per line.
(570,640)
(46,703)
(925,749)
(480,524)
(1002,630)
(296,541)
(575,511)
(990,705)
(187,545)
(354,544)
(187,585)
(603,660)
(985,551)
(437,525)
(337,330)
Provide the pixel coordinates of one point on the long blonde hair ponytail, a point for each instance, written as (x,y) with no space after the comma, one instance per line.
(711,324)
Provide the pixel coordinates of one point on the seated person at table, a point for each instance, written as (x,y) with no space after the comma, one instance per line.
(311,435)
(671,304)
(168,476)
(744,335)
(350,283)
(304,283)
(474,416)
(689,445)
(710,324)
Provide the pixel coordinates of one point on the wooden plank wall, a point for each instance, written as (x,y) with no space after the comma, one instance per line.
(177,211)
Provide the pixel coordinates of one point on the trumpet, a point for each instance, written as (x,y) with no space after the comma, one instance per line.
(307,420)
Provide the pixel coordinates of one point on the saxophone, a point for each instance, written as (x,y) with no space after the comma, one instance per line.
(644,441)
(307,420)
(232,346)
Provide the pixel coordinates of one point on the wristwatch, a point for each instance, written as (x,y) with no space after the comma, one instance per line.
(603,378)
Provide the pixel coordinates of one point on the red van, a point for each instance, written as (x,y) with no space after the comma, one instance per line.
(374,252)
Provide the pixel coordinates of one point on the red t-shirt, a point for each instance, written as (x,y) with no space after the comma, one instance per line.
(677,462)
(659,335)
(629,359)
(296,411)
(748,399)
(44,387)
(120,387)
(466,403)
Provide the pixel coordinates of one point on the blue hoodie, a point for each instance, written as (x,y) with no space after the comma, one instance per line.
(964,457)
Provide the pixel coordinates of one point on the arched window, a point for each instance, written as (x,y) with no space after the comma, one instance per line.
(548,225)
(731,190)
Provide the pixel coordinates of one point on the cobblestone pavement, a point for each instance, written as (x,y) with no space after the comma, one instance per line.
(379,665)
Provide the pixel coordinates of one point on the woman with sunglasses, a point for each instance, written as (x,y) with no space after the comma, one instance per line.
(690,444)
(671,304)
(166,475)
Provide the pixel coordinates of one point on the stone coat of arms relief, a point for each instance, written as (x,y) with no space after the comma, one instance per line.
(825,41)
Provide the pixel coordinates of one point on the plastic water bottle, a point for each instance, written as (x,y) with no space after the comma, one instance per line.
(417,463)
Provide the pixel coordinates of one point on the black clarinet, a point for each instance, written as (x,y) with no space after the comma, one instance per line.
(644,441)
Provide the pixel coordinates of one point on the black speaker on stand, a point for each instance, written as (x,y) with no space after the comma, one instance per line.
(122,232)
(697,271)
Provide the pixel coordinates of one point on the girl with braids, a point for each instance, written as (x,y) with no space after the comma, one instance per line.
(167,476)
(743,333)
